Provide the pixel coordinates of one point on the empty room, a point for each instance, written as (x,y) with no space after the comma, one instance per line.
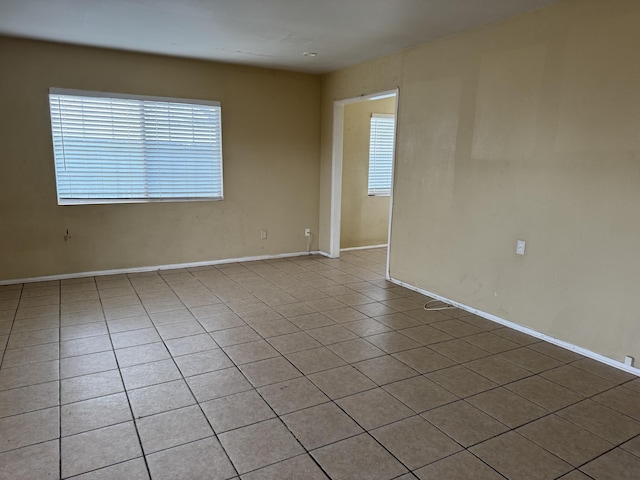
(287,239)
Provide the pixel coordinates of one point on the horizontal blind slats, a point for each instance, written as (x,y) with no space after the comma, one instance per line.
(124,148)
(381,151)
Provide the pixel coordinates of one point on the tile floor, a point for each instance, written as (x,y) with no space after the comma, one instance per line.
(302,368)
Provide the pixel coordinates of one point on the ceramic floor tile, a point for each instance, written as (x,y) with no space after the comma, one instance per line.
(424,360)
(178,330)
(297,467)
(272,370)
(622,400)
(128,324)
(614,465)
(36,337)
(292,395)
(491,343)
(345,315)
(293,342)
(465,423)
(172,428)
(516,336)
(530,359)
(457,328)
(420,394)
(507,407)
(99,448)
(36,461)
(602,421)
(459,350)
(332,334)
(160,398)
(90,386)
(315,360)
(392,342)
(203,362)
(383,370)
(151,352)
(498,370)
(30,355)
(29,428)
(200,459)
(235,411)
(518,458)
(218,384)
(321,425)
(27,399)
(358,458)
(132,338)
(569,442)
(250,352)
(29,374)
(554,351)
(462,465)
(415,442)
(461,381)
(633,446)
(374,408)
(259,445)
(341,381)
(84,330)
(83,346)
(192,344)
(578,380)
(366,327)
(424,334)
(233,336)
(311,320)
(87,364)
(547,394)
(146,374)
(95,413)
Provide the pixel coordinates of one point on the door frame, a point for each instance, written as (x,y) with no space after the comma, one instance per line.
(336,168)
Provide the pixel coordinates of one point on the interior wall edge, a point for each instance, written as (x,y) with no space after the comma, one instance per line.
(529,331)
(151,268)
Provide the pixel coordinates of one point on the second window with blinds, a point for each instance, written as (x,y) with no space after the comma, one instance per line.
(116,148)
(381,150)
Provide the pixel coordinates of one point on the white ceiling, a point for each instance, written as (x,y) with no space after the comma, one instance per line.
(267,33)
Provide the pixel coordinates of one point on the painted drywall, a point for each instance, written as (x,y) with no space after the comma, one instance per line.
(526,129)
(270,129)
(364,220)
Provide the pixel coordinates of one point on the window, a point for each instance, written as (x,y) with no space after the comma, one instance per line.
(112,148)
(381,143)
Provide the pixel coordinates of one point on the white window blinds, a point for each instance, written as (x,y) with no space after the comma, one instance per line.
(112,148)
(381,146)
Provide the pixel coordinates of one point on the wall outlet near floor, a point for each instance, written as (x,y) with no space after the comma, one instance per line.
(628,361)
(263,234)
(520,247)
(307,232)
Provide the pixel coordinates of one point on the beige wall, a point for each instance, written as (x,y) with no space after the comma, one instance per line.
(270,124)
(528,129)
(364,219)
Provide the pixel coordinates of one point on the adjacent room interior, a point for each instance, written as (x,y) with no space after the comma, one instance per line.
(307,240)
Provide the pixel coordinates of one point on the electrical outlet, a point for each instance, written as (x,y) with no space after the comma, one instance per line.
(263,234)
(520,247)
(307,232)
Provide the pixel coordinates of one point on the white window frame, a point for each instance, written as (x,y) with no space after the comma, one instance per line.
(154,154)
(381,154)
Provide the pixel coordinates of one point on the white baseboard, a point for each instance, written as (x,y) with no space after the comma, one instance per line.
(529,331)
(350,249)
(116,271)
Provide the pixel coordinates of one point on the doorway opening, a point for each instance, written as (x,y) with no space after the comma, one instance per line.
(363,164)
